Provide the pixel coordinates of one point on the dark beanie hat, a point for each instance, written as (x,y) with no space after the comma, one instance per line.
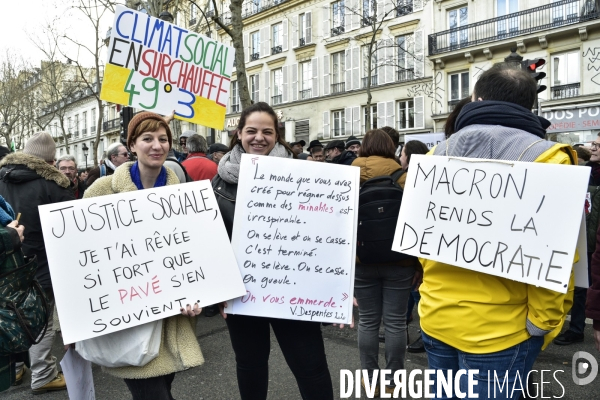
(138,119)
(4,151)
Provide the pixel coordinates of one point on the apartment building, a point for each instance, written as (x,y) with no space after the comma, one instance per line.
(309,60)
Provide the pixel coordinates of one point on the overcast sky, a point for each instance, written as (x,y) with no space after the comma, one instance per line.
(26,18)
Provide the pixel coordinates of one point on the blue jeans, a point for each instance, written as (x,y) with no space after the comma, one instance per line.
(382,292)
(519,358)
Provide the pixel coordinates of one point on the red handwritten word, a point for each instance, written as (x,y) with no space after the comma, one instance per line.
(133,292)
(312,302)
(320,208)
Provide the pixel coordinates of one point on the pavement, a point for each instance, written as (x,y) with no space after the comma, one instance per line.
(216,379)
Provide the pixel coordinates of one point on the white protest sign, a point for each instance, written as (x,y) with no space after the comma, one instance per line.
(127,259)
(516,220)
(294,238)
(430,139)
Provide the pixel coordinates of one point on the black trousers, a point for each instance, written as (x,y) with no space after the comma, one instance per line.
(302,346)
(158,388)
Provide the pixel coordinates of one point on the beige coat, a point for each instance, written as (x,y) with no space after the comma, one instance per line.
(179,349)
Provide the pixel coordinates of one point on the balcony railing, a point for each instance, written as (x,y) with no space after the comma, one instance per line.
(338,30)
(301,42)
(84,132)
(452,104)
(110,125)
(405,75)
(210,13)
(76,134)
(565,91)
(254,56)
(560,13)
(251,8)
(193,21)
(338,87)
(365,80)
(276,99)
(305,94)
(92,129)
(404,8)
(235,108)
(367,20)
(276,50)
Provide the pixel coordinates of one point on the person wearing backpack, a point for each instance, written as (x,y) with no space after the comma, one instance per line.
(383,279)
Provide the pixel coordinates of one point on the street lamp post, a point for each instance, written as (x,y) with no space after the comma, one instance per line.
(166,16)
(85,153)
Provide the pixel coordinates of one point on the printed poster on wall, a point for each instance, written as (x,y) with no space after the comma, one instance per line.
(294,238)
(516,220)
(124,260)
(157,66)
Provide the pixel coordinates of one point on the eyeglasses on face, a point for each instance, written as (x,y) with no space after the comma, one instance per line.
(595,145)
(124,154)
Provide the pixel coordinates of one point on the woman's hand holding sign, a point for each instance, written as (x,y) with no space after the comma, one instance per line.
(188,311)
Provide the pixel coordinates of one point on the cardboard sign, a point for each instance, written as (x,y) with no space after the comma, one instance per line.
(127,259)
(516,220)
(294,238)
(156,66)
(581,266)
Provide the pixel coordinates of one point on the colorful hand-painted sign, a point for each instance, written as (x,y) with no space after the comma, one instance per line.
(157,66)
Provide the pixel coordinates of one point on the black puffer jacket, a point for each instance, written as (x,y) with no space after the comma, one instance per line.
(226,194)
(27,182)
(346,158)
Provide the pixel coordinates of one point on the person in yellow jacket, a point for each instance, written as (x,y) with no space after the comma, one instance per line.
(150,139)
(472,320)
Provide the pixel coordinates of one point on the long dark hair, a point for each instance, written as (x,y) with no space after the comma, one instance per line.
(449,128)
(261,106)
(377,143)
(414,147)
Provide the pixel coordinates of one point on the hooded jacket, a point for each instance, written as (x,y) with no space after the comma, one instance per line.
(27,182)
(179,349)
(480,313)
(346,158)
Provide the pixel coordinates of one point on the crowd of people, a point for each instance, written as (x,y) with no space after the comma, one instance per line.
(468,320)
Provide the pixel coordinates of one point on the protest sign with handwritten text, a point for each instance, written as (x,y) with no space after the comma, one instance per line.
(294,238)
(127,259)
(516,220)
(157,66)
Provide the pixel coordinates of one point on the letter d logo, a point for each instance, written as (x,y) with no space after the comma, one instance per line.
(582,367)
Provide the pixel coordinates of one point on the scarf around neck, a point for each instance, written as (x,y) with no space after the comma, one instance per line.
(510,115)
(161,180)
(229,166)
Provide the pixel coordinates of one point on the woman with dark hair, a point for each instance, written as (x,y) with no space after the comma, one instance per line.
(451,120)
(301,342)
(411,147)
(149,138)
(381,290)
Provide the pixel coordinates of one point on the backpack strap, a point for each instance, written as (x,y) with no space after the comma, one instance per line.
(188,178)
(396,175)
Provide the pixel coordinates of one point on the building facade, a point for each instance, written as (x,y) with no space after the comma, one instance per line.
(310,60)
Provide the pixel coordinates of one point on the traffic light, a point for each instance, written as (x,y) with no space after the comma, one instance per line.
(126,114)
(531,66)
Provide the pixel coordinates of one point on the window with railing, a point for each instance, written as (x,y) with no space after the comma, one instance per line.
(276,98)
(84,122)
(405,45)
(303,29)
(458,18)
(369,12)
(305,80)
(565,75)
(338,70)
(404,7)
(338,123)
(459,88)
(507,26)
(372,115)
(369,65)
(254,86)
(338,11)
(69,125)
(406,114)
(254,46)
(566,11)
(193,14)
(276,35)
(235,97)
